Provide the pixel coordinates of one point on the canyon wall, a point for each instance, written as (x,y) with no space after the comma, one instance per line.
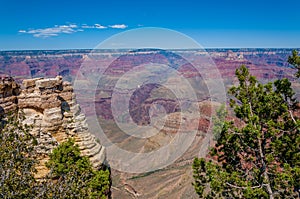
(50,107)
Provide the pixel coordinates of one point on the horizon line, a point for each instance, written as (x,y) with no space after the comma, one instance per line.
(91,49)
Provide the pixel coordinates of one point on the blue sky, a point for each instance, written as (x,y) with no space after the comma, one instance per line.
(83,24)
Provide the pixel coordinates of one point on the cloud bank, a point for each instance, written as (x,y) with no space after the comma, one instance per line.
(67,29)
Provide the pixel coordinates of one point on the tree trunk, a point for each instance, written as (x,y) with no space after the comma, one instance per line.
(268,186)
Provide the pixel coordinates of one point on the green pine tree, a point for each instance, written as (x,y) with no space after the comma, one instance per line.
(261,157)
(72,175)
(295,61)
(218,121)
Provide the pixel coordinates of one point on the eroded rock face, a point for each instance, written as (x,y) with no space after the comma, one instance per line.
(49,106)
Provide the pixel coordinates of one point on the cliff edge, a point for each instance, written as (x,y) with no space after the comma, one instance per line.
(50,107)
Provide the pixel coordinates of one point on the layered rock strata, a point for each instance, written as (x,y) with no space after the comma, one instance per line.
(49,106)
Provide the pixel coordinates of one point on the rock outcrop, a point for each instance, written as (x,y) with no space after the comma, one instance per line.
(49,106)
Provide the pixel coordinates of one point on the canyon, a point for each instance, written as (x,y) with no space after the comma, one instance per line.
(51,106)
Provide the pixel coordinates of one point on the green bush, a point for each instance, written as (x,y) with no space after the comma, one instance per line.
(75,177)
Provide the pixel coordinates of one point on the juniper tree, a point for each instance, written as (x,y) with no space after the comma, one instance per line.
(218,120)
(295,61)
(72,175)
(261,157)
(17,158)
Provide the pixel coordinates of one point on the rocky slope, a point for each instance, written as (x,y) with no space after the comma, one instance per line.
(49,106)
(173,181)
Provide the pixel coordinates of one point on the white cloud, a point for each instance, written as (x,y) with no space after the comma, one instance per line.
(85,26)
(99,26)
(53,31)
(67,29)
(96,26)
(119,26)
(73,26)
